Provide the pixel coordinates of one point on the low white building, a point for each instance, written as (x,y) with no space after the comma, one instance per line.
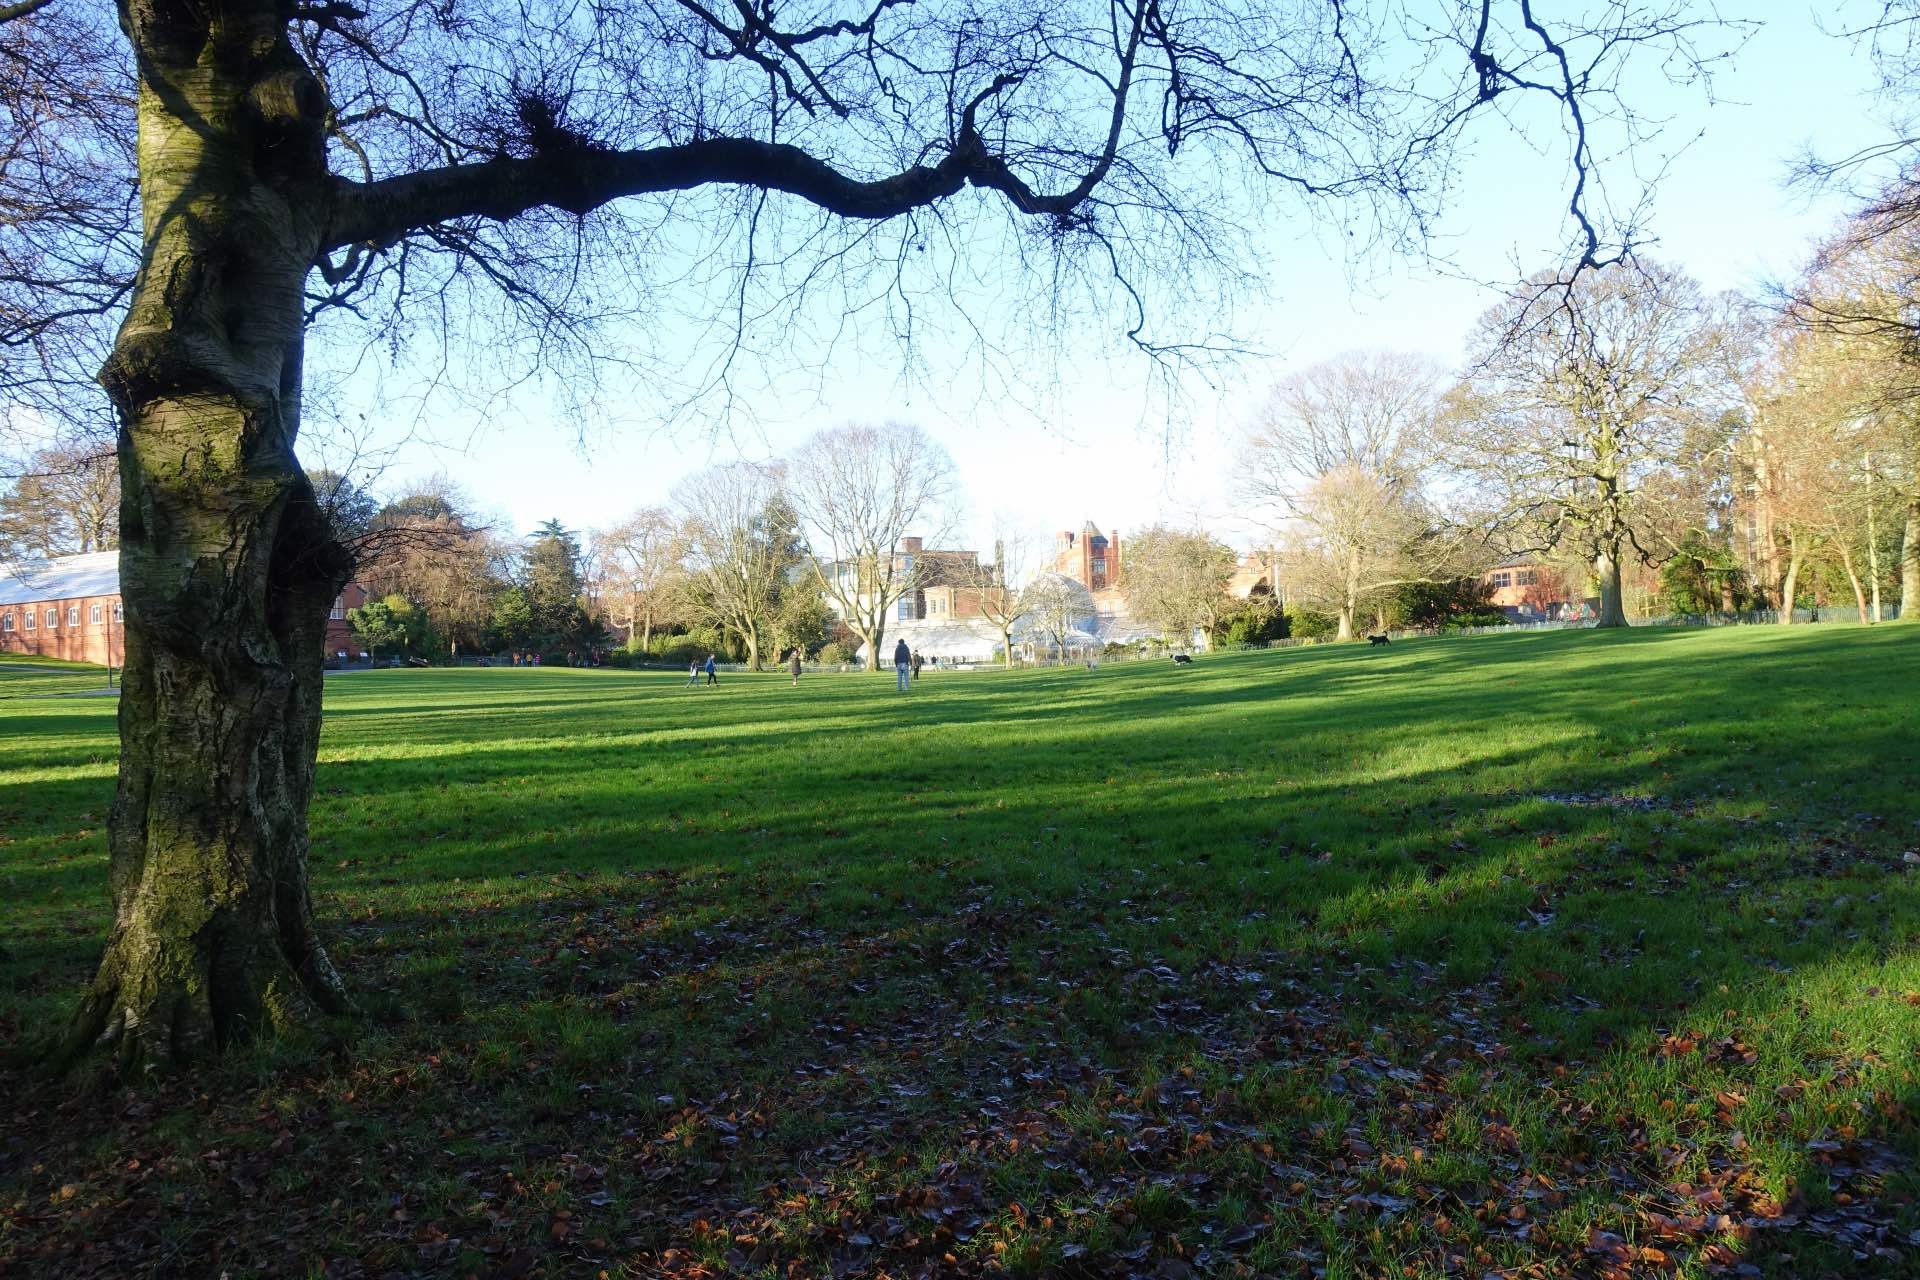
(976,641)
(970,640)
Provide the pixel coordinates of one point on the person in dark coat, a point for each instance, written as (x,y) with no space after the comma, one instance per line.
(902,663)
(793,665)
(711,677)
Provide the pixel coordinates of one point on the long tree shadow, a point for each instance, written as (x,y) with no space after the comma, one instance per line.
(1271,976)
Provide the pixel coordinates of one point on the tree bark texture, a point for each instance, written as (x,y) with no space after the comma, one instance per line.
(227,563)
(1873,561)
(1790,585)
(1606,568)
(1853,580)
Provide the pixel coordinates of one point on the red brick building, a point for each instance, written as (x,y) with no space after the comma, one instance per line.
(1089,557)
(69,607)
(1258,575)
(1529,587)
(947,586)
(340,639)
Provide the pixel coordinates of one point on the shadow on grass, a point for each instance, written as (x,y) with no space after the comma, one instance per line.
(1256,953)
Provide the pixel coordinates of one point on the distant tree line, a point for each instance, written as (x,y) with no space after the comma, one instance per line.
(1703,453)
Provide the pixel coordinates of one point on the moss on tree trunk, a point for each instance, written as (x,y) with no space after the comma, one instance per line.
(228,566)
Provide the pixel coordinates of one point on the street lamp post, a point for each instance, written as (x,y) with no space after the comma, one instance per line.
(113,620)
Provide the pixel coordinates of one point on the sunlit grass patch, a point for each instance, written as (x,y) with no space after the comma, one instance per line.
(1470,954)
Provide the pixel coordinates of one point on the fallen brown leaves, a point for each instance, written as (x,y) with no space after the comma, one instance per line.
(965,1097)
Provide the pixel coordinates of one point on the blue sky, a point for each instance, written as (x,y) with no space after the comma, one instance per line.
(1091,444)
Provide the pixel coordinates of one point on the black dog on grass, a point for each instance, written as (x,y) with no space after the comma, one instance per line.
(1380,639)
(1182,660)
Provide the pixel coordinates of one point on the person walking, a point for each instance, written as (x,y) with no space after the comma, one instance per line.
(693,671)
(902,663)
(793,665)
(711,677)
(916,664)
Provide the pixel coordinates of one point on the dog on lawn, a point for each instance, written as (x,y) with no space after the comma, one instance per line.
(1379,639)
(1182,660)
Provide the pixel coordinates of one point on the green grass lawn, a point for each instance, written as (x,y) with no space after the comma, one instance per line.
(31,676)
(1543,954)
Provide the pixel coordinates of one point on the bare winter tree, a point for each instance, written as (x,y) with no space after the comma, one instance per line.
(65,502)
(643,556)
(69,222)
(1176,579)
(536,176)
(1576,396)
(859,491)
(1889,32)
(1818,425)
(1053,605)
(1862,291)
(1352,537)
(1337,465)
(998,584)
(1373,410)
(743,543)
(430,546)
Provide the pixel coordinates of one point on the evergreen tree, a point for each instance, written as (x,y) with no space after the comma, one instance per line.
(513,625)
(551,581)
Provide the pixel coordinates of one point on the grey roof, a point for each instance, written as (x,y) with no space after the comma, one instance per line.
(1119,628)
(62,578)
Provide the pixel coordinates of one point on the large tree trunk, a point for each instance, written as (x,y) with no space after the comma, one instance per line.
(1873,560)
(1765,545)
(1790,585)
(227,564)
(1606,568)
(1346,623)
(1910,563)
(873,638)
(1853,579)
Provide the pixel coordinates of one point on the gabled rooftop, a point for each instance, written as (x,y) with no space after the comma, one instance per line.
(61,578)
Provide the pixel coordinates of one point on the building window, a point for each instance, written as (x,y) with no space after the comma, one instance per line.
(6,622)
(73,615)
(1525,578)
(119,612)
(904,613)
(1503,578)
(339,610)
(96,615)
(31,616)
(53,618)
